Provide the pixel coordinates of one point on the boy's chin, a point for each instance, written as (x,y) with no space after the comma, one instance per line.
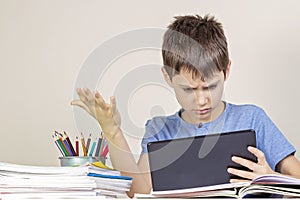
(202,118)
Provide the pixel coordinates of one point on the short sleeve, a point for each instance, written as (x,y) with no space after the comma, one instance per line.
(148,136)
(271,140)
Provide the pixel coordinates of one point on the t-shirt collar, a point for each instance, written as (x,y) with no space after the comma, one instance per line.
(206,124)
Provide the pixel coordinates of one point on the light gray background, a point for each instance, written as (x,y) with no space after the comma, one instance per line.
(44,43)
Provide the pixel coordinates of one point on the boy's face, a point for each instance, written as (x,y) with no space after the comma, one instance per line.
(201,100)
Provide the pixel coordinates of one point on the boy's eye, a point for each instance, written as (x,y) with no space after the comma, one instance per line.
(212,87)
(188,89)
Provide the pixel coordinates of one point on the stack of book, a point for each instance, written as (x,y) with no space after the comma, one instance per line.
(87,181)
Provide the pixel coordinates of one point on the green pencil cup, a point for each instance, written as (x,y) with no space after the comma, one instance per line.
(79,160)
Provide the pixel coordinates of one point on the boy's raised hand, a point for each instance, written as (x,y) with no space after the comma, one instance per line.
(106,114)
(260,168)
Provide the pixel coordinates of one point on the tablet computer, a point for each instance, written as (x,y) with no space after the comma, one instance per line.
(197,161)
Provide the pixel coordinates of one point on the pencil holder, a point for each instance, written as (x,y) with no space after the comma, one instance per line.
(79,160)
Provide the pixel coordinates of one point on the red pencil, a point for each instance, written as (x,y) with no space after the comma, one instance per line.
(77,146)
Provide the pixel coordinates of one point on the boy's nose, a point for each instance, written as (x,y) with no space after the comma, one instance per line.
(201,98)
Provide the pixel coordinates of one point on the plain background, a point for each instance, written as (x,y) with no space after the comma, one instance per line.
(44,43)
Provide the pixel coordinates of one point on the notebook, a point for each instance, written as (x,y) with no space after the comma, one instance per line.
(197,161)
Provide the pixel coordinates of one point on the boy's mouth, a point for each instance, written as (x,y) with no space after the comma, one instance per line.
(202,111)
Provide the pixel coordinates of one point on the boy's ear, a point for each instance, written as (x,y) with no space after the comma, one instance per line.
(166,76)
(228,69)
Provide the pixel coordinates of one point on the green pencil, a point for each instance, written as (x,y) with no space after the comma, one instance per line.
(62,146)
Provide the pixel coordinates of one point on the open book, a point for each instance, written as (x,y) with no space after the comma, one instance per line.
(262,186)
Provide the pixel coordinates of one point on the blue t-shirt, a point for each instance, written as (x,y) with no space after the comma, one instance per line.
(269,138)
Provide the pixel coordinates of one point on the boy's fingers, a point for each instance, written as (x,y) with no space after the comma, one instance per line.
(238,180)
(113,104)
(87,91)
(234,180)
(88,95)
(80,104)
(78,90)
(82,95)
(244,162)
(99,100)
(76,102)
(258,153)
(241,173)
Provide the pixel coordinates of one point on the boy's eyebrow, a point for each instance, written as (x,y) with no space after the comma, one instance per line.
(206,85)
(184,85)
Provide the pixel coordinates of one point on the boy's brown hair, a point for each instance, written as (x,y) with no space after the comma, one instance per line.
(195,44)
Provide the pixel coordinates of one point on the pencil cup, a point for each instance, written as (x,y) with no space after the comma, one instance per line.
(79,160)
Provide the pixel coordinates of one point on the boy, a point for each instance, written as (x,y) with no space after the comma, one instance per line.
(196,65)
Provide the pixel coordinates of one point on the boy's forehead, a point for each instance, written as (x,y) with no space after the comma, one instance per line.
(189,78)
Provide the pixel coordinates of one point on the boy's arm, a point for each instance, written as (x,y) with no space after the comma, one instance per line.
(289,166)
(123,160)
(121,156)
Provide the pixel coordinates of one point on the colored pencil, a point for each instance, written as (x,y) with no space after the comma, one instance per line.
(59,141)
(58,146)
(83,145)
(105,151)
(64,142)
(67,147)
(102,146)
(88,143)
(93,147)
(97,153)
(77,146)
(66,137)
(98,147)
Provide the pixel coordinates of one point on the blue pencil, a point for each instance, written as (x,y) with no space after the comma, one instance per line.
(93,147)
(68,148)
